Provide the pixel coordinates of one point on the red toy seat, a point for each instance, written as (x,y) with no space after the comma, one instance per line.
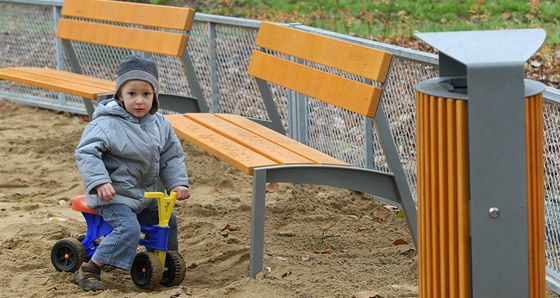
(79,204)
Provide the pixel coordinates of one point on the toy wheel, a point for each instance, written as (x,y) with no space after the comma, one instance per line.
(68,254)
(146,271)
(175,269)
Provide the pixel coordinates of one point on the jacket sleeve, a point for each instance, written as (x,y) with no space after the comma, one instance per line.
(88,155)
(173,171)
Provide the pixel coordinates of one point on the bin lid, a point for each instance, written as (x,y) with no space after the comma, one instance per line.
(487,46)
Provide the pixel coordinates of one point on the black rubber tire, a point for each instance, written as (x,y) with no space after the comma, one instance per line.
(146,271)
(68,254)
(175,269)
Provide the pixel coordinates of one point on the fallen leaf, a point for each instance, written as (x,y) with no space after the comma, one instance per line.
(535,63)
(272,187)
(400,242)
(326,250)
(381,215)
(286,274)
(286,233)
(360,229)
(15,179)
(229,228)
(390,207)
(406,288)
(367,218)
(366,294)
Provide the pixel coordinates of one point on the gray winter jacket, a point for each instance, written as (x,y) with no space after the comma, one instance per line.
(129,152)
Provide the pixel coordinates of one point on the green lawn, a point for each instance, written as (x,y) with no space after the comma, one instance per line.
(380,19)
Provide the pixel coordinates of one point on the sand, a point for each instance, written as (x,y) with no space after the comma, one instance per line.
(340,243)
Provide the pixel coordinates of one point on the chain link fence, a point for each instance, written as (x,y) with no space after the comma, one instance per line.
(220,48)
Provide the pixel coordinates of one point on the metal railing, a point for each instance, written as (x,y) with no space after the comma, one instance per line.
(220,48)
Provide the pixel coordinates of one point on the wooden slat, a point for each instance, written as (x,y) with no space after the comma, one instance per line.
(70,76)
(227,150)
(170,17)
(52,83)
(345,93)
(165,43)
(346,56)
(246,138)
(282,140)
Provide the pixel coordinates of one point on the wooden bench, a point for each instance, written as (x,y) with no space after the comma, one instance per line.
(146,28)
(270,156)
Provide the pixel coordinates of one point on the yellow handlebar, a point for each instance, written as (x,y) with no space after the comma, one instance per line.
(165,205)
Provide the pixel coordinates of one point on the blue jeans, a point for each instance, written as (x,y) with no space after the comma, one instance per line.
(119,247)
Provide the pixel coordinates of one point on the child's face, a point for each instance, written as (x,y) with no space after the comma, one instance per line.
(137,96)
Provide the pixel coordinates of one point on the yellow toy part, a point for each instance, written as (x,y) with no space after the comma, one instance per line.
(165,205)
(165,208)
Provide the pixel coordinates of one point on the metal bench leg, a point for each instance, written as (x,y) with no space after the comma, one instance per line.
(89,107)
(257,223)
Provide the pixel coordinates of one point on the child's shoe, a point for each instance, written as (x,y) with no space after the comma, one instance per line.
(88,277)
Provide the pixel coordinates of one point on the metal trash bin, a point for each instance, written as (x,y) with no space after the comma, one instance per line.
(480,168)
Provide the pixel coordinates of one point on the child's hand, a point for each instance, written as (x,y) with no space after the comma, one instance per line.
(105,192)
(183,192)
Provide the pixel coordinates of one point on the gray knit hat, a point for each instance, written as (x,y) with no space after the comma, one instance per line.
(136,67)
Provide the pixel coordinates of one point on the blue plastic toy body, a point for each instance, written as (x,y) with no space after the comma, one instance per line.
(155,238)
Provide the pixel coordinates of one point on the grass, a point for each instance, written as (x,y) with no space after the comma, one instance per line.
(381,19)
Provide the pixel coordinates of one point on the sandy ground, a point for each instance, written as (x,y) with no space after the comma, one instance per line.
(342,243)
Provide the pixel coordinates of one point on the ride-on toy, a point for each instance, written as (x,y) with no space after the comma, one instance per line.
(155,266)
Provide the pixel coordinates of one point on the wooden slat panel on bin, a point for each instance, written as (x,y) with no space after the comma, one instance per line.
(443,215)
(535,192)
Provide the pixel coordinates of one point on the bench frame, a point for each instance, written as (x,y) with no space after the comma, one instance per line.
(392,188)
(169,24)
(261,154)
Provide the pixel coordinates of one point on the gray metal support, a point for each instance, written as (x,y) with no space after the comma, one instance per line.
(76,68)
(293,131)
(298,115)
(256,252)
(188,69)
(368,132)
(369,143)
(381,185)
(72,57)
(215,94)
(275,121)
(450,67)
(59,51)
(394,162)
(498,171)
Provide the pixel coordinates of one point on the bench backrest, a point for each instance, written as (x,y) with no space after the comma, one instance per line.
(81,23)
(352,95)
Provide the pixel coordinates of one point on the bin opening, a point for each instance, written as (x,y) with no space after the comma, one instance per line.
(457,85)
